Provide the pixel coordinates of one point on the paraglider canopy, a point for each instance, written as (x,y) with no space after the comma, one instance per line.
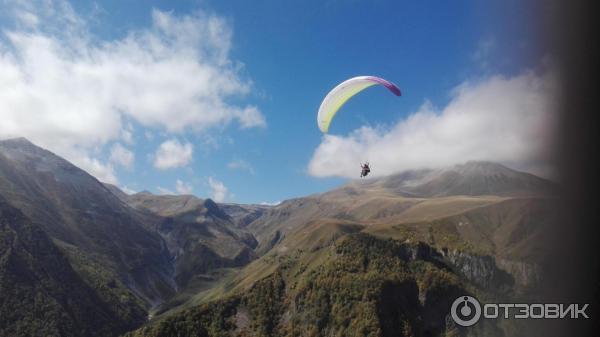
(343,92)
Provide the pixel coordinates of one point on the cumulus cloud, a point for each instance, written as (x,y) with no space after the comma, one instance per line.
(121,156)
(242,165)
(172,153)
(218,190)
(504,119)
(67,90)
(183,188)
(127,190)
(164,191)
(102,172)
(267,203)
(180,188)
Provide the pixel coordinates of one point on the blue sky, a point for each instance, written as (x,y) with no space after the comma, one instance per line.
(284,56)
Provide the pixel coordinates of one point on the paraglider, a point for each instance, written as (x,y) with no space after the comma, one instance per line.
(365,169)
(339,95)
(336,98)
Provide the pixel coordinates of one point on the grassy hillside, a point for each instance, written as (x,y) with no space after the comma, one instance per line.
(41,295)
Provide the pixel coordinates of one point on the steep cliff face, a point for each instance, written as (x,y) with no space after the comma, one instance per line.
(480,270)
(525,274)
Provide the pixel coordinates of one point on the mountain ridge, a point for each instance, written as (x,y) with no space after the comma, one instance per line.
(107,244)
(473,226)
(469,178)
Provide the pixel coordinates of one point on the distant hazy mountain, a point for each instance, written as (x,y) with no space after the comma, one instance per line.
(473,178)
(201,235)
(243,215)
(411,196)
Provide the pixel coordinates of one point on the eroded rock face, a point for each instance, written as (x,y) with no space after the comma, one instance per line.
(480,270)
(525,274)
(490,272)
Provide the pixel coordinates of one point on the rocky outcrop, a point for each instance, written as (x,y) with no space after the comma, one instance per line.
(525,274)
(481,270)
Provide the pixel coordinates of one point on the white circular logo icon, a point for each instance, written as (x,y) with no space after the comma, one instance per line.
(465,311)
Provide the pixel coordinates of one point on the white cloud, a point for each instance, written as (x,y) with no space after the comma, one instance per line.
(172,153)
(26,18)
(68,91)
(103,172)
(122,156)
(485,49)
(219,191)
(127,134)
(183,188)
(508,120)
(128,190)
(242,165)
(164,191)
(267,203)
(180,188)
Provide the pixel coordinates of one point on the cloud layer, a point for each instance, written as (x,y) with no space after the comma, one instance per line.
(219,191)
(241,165)
(122,156)
(182,187)
(505,119)
(66,90)
(172,154)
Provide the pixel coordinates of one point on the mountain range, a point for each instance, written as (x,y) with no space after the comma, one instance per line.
(374,257)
